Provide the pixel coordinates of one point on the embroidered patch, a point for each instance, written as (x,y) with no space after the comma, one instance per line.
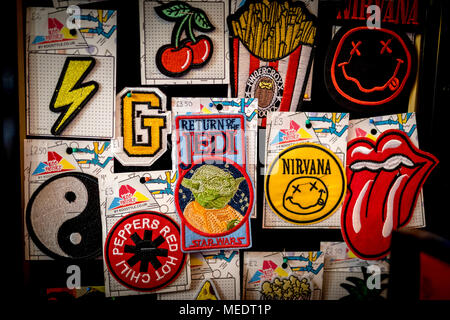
(178,57)
(292,275)
(208,291)
(305,183)
(141,126)
(72,93)
(63,217)
(292,288)
(142,251)
(368,69)
(213,194)
(272,30)
(184,42)
(70,75)
(265,84)
(384,180)
(397,12)
(272,53)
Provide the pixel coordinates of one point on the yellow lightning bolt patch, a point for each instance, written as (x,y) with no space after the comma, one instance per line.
(71,94)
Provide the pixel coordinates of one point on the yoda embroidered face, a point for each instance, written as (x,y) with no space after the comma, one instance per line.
(212,187)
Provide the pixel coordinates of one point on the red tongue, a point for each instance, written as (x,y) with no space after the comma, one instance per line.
(380,201)
(365,212)
(393,85)
(373,210)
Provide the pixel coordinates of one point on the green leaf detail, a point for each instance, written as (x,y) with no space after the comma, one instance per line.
(202,22)
(232,223)
(173,11)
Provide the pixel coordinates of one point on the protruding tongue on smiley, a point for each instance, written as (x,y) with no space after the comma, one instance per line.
(393,85)
(384,182)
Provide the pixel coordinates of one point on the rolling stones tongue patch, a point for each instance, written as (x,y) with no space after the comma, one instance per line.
(384,180)
(367,68)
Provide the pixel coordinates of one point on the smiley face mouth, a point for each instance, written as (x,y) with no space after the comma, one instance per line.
(320,201)
(392,82)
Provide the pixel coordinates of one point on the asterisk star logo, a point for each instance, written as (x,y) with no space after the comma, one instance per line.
(146,250)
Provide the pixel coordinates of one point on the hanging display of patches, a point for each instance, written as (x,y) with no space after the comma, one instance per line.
(62,209)
(272,53)
(141,126)
(214,194)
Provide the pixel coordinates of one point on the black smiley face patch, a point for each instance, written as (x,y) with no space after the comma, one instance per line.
(366,69)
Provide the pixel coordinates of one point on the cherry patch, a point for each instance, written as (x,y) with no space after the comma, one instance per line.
(181,55)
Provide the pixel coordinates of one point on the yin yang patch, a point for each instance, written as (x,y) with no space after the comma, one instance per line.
(63,217)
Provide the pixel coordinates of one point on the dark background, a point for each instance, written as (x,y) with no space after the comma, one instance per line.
(28,280)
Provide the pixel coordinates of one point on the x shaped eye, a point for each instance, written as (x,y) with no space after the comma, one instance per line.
(296,189)
(313,186)
(385,46)
(355,48)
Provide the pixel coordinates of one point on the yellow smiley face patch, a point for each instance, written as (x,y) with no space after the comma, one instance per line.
(305,184)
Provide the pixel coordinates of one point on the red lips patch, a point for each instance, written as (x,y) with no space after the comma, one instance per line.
(384,180)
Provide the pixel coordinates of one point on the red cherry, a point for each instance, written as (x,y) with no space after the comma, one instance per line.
(202,50)
(172,61)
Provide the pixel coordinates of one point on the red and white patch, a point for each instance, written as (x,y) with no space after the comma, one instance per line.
(384,180)
(143,251)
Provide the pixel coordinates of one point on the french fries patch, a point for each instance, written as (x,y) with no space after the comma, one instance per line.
(272,50)
(272,30)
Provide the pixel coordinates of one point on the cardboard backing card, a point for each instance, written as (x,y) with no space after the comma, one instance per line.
(285,131)
(138,212)
(62,213)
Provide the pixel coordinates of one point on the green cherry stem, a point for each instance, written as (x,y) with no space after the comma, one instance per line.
(186,25)
(178,30)
(189,31)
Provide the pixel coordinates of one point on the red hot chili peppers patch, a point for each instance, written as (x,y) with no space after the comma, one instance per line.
(367,68)
(384,180)
(143,251)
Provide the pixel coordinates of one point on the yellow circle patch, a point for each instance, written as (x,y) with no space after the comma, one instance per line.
(305,184)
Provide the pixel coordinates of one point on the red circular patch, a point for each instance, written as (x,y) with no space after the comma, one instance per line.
(370,69)
(143,251)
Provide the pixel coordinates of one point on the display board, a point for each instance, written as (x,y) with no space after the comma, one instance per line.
(221,150)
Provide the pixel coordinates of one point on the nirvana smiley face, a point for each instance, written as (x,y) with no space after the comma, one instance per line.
(366,67)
